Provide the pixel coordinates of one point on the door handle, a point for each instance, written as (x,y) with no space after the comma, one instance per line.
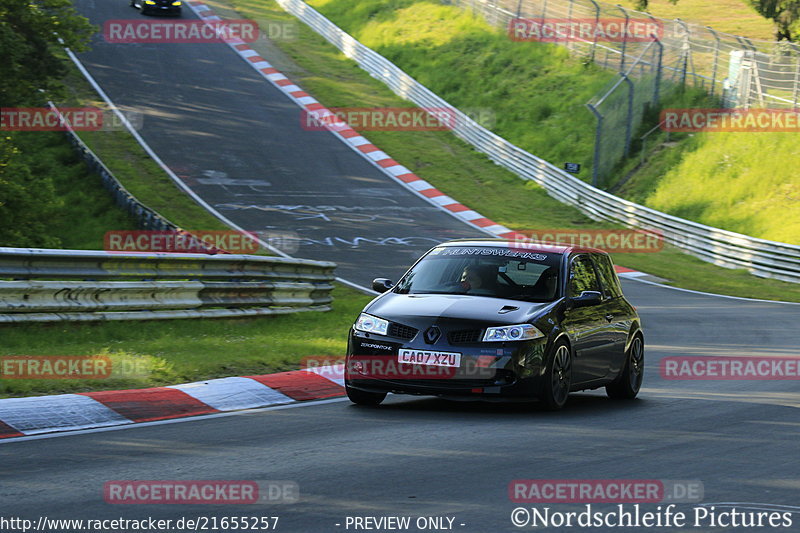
(609,317)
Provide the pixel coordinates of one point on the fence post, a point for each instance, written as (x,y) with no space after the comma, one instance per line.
(716,59)
(746,76)
(569,23)
(519,8)
(596,23)
(544,9)
(660,56)
(745,82)
(624,38)
(629,122)
(684,51)
(796,85)
(598,134)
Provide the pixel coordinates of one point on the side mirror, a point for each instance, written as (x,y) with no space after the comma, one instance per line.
(586,299)
(382,285)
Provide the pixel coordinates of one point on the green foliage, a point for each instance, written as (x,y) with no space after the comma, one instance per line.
(785,14)
(27,200)
(727,180)
(49,198)
(29,33)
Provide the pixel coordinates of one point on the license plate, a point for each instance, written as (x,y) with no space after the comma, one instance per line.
(424,357)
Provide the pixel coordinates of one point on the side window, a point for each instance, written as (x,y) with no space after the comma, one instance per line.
(608,276)
(582,276)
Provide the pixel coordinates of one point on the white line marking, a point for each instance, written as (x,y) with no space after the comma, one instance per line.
(710,293)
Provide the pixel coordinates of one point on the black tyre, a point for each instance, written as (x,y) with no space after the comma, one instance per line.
(558,378)
(627,385)
(360,397)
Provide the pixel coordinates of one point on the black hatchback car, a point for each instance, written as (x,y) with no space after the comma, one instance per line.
(490,319)
(162,7)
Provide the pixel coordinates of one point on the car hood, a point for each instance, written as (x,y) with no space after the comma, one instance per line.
(401,307)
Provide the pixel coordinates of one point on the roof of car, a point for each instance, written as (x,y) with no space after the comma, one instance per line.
(556,248)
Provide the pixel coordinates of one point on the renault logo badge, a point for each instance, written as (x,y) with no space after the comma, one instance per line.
(432,334)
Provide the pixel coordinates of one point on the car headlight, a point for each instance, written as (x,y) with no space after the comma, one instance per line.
(176,3)
(149,2)
(371,324)
(517,332)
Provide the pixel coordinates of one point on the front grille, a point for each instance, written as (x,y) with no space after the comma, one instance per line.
(464,336)
(400,331)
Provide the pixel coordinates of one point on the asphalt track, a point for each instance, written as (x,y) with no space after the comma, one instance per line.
(238,142)
(413,457)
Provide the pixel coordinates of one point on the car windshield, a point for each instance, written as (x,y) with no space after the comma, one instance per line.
(510,273)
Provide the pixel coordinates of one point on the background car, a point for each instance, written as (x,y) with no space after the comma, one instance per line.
(164,7)
(491,320)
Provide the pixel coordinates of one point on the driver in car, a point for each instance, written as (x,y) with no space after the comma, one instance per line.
(479,279)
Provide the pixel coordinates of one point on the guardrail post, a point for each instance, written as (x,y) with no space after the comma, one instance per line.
(597,143)
(624,37)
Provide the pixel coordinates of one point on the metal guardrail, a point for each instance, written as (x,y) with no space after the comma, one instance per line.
(116,286)
(724,248)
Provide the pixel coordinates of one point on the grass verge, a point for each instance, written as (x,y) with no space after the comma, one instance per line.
(728,16)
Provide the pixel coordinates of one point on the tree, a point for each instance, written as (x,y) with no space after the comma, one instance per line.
(784,13)
(29,33)
(27,200)
(641,5)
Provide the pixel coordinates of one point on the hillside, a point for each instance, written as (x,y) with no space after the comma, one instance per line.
(537,93)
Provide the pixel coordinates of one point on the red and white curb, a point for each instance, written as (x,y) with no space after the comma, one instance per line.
(625,272)
(20,417)
(355,140)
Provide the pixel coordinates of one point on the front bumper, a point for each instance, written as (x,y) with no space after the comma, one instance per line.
(161,9)
(487,370)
